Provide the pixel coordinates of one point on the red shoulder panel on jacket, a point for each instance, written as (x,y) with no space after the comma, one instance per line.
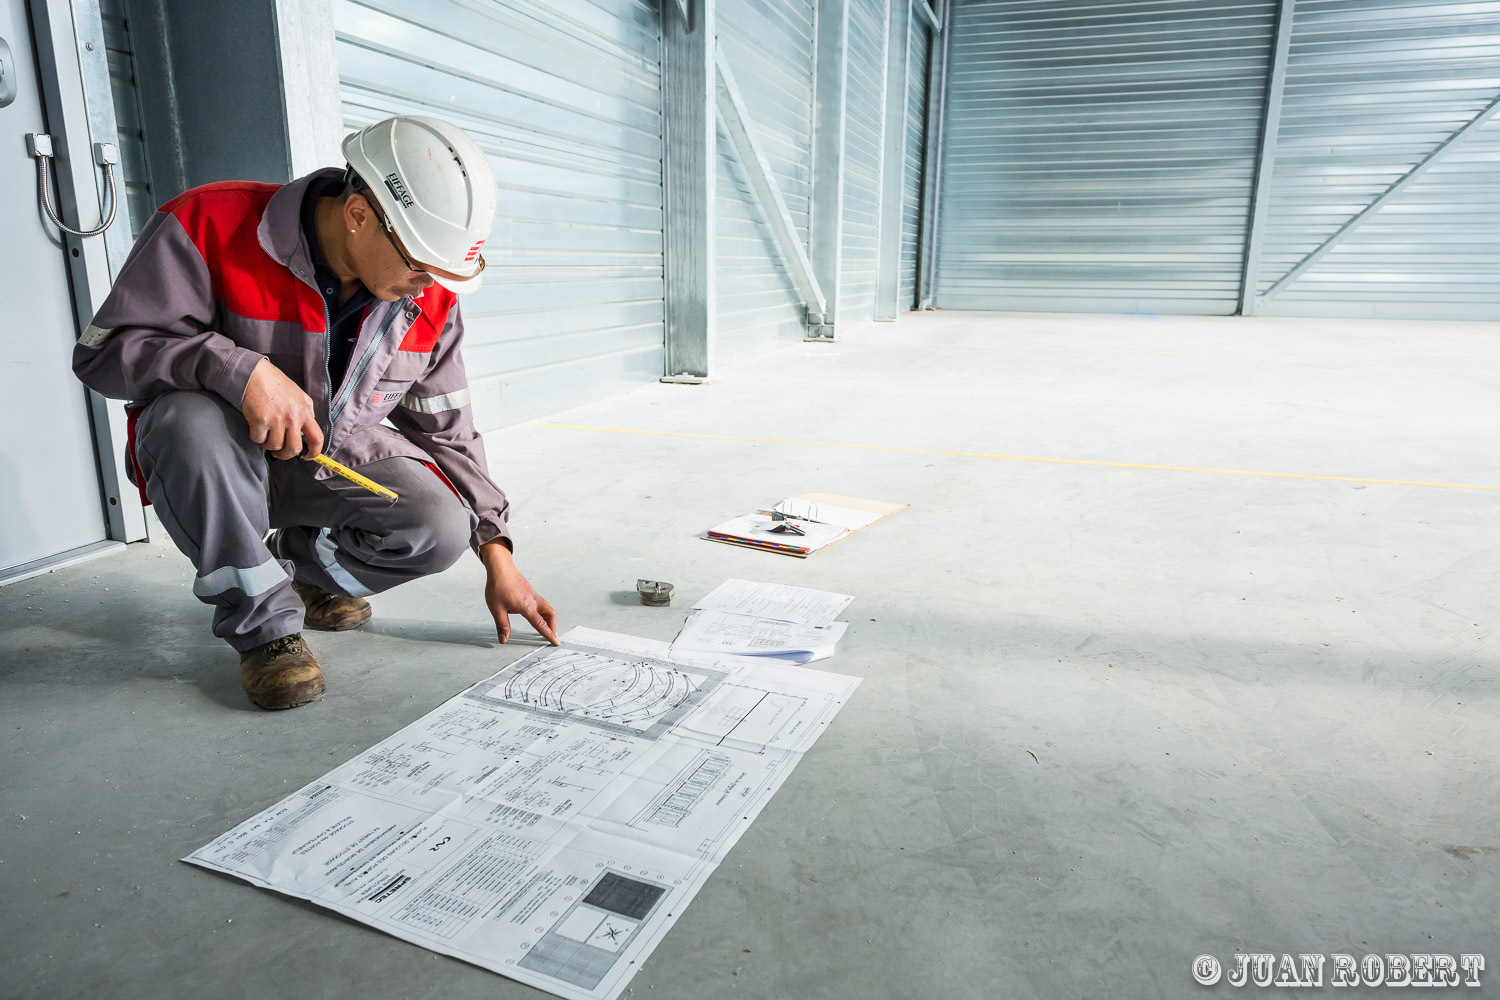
(222,221)
(437,302)
(211,196)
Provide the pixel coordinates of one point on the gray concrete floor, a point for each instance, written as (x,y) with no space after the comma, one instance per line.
(1113,717)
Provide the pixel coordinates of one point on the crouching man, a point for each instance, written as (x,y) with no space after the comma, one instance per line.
(255,323)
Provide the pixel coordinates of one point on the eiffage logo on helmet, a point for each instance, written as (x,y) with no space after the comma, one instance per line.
(398,189)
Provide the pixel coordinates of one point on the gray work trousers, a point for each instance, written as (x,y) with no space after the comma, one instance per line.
(218,493)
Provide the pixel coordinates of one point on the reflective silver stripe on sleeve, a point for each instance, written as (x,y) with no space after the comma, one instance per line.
(253,581)
(328,556)
(93,336)
(437,404)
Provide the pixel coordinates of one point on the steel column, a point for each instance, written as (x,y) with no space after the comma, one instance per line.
(932,160)
(830,88)
(310,84)
(1260,202)
(688,176)
(893,162)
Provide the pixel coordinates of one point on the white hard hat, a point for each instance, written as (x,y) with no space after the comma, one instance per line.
(434,186)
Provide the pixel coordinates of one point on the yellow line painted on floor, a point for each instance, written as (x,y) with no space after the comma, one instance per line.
(1020,458)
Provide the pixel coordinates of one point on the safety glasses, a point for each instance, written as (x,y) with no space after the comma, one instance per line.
(389,232)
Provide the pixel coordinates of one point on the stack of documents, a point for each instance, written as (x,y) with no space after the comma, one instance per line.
(802,525)
(742,618)
(757,531)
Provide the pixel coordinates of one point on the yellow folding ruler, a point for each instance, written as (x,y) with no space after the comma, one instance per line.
(355,477)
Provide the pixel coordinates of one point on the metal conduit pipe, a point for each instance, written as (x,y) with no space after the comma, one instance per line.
(40,146)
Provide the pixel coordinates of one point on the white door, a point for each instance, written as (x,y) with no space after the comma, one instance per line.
(50,497)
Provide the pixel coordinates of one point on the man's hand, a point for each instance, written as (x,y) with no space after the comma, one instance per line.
(507,593)
(281,416)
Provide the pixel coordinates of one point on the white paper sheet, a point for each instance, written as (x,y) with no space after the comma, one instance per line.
(827,513)
(742,635)
(775,600)
(551,822)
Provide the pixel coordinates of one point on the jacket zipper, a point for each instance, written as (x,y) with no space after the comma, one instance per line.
(336,406)
(327,357)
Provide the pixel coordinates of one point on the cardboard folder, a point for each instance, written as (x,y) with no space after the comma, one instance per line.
(788,544)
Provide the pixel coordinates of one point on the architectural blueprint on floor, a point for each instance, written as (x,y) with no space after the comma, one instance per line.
(553,821)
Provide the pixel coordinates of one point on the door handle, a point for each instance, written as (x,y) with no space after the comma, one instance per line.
(106,155)
(7,75)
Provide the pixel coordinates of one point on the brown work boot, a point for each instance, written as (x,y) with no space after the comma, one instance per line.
(283,673)
(330,612)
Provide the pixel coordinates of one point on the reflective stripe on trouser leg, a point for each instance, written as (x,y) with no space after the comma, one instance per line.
(207,482)
(328,559)
(253,581)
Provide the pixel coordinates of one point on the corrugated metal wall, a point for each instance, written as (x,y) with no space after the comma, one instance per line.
(918,58)
(769,46)
(863,135)
(1100,157)
(1373,87)
(565,97)
(139,198)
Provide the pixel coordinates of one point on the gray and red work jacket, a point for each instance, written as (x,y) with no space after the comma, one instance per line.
(222,276)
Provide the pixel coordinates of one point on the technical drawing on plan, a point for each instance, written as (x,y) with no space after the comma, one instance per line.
(636,696)
(746,718)
(692,783)
(551,822)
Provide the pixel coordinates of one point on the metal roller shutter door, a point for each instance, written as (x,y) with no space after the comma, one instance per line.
(769,46)
(863,136)
(918,56)
(565,97)
(1372,88)
(1099,157)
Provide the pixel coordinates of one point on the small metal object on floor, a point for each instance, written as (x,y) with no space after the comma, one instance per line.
(654,593)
